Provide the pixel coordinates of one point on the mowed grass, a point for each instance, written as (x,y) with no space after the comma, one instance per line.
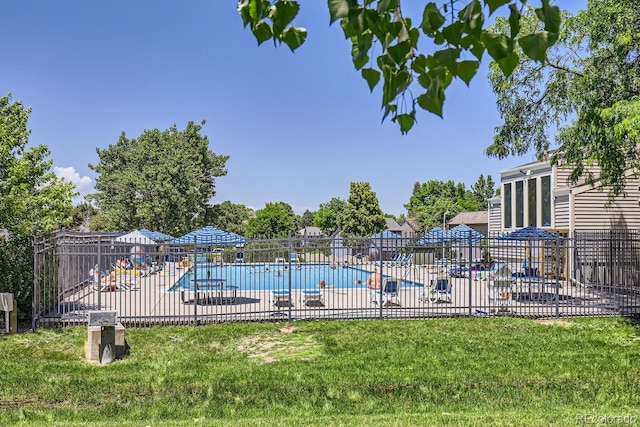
(500,371)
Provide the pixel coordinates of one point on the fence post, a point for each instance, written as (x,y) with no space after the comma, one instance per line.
(289,243)
(96,274)
(381,273)
(470,253)
(557,290)
(195,279)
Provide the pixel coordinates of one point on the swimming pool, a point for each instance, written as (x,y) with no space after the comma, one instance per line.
(275,276)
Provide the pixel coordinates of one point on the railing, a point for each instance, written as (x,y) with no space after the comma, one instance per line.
(588,274)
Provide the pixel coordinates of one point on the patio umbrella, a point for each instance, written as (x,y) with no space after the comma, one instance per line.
(156,236)
(435,236)
(460,233)
(210,236)
(528,234)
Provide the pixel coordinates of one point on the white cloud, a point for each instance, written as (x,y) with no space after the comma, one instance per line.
(82,183)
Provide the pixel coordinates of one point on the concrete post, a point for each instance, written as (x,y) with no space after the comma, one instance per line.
(10,307)
(105,337)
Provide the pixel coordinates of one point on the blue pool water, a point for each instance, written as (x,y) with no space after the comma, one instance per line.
(275,276)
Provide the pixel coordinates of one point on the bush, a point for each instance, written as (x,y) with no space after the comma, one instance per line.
(16,255)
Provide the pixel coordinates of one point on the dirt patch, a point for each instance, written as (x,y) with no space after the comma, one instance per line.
(280,345)
(558,322)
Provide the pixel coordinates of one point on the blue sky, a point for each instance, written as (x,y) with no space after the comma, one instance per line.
(298,127)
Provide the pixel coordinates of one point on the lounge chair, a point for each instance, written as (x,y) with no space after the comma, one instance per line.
(294,257)
(280,299)
(389,294)
(239,257)
(439,290)
(407,261)
(399,260)
(312,298)
(110,282)
(393,258)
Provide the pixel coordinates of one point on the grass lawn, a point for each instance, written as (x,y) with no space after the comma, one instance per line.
(502,371)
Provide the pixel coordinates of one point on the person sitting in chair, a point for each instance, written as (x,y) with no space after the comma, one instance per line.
(375,280)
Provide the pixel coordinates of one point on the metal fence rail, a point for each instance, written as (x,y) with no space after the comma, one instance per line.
(588,274)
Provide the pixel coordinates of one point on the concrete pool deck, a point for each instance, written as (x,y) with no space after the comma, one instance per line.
(150,301)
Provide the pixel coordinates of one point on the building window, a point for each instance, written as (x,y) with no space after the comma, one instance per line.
(545,182)
(519,203)
(532,200)
(507,206)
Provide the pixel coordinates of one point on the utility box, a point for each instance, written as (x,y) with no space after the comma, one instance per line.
(105,337)
(10,308)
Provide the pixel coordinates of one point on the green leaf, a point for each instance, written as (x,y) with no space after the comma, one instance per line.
(372,77)
(477,50)
(508,63)
(406,122)
(281,15)
(448,58)
(386,5)
(340,9)
(258,9)
(433,99)
(467,69)
(262,32)
(453,32)
(360,50)
(473,19)
(432,19)
(535,45)
(243,10)
(399,52)
(356,18)
(494,4)
(294,37)
(514,20)
(551,17)
(498,45)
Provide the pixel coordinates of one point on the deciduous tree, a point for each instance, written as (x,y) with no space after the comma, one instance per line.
(275,220)
(162,180)
(229,217)
(32,198)
(587,90)
(327,217)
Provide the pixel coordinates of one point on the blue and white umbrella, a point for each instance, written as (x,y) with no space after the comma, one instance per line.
(462,232)
(435,236)
(210,236)
(530,233)
(156,236)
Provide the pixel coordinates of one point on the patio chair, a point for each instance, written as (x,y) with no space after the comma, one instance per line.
(110,282)
(389,294)
(239,257)
(294,258)
(399,260)
(407,261)
(280,299)
(439,290)
(312,298)
(393,258)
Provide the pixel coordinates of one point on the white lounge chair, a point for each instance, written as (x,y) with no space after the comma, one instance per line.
(280,299)
(312,298)
(389,294)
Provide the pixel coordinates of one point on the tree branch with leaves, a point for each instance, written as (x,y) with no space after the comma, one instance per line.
(415,63)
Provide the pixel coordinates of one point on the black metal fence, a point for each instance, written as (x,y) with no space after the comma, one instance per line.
(592,273)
